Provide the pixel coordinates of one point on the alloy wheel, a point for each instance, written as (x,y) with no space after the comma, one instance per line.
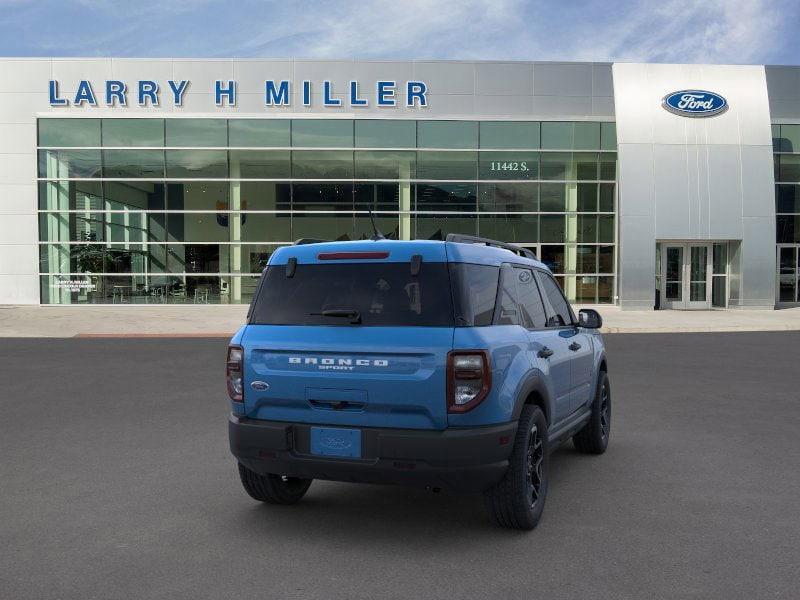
(535,461)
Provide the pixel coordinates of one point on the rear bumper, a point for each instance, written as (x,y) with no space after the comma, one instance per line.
(462,459)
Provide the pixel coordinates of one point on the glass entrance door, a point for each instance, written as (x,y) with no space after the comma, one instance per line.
(788,275)
(686,276)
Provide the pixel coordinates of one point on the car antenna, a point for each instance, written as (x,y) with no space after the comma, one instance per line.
(377,235)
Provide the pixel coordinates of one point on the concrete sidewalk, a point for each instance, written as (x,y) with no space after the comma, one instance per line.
(222,321)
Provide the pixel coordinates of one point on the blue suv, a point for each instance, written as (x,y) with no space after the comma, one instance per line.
(454,364)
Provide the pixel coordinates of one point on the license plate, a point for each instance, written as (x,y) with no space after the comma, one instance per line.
(329,441)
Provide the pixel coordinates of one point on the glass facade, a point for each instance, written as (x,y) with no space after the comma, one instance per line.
(786,148)
(188,210)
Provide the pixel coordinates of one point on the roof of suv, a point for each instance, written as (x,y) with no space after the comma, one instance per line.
(399,251)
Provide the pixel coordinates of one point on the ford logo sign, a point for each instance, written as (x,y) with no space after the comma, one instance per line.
(695,103)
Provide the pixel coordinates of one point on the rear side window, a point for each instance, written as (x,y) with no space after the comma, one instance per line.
(474,293)
(530,301)
(507,305)
(563,314)
(381,294)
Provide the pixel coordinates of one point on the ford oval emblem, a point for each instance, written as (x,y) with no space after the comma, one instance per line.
(695,103)
(260,385)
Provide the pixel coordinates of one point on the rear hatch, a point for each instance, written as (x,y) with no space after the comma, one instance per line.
(351,334)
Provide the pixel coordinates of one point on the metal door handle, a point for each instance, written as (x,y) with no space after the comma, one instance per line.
(574,346)
(545,353)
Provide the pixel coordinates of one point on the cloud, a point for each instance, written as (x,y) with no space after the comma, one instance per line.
(712,31)
(682,31)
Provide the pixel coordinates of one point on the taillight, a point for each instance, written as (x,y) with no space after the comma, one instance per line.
(234,372)
(469,379)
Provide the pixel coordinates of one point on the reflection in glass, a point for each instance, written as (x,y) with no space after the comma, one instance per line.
(446,197)
(385,164)
(557,166)
(787,264)
(674,273)
(587,197)
(515,228)
(70,195)
(509,134)
(258,133)
(132,164)
(586,289)
(585,166)
(509,197)
(787,198)
(322,133)
(322,164)
(263,195)
(197,164)
(608,166)
(558,135)
(720,266)
(605,262)
(198,195)
(134,195)
(260,164)
(553,197)
(198,133)
(787,288)
(133,132)
(64,164)
(553,228)
(65,133)
(608,136)
(606,197)
(587,259)
(587,229)
(605,289)
(718,292)
(383,133)
(436,227)
(326,226)
(447,134)
(789,169)
(447,165)
(262,201)
(788,229)
(553,257)
(322,196)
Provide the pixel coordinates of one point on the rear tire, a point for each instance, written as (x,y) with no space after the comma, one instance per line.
(593,438)
(273,489)
(517,501)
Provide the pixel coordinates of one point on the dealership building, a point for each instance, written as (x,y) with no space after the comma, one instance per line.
(152,181)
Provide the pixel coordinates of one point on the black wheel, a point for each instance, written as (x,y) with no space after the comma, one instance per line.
(273,489)
(518,500)
(593,438)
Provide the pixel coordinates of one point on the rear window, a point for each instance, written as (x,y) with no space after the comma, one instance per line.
(380,294)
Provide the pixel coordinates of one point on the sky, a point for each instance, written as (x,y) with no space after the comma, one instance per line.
(680,31)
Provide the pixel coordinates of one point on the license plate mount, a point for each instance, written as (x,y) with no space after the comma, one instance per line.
(334,441)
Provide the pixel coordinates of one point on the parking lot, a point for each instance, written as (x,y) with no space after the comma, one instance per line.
(116,482)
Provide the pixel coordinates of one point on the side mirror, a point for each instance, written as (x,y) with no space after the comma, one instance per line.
(589,318)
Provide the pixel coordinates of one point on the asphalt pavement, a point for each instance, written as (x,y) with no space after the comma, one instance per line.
(116,482)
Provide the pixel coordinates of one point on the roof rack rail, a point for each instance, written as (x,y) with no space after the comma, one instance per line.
(471,239)
(304,241)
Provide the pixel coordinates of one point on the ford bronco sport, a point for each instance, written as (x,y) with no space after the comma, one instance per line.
(454,364)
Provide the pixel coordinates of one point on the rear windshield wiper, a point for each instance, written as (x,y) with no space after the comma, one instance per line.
(345,313)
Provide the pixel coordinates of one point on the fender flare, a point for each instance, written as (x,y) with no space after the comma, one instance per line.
(601,358)
(533,383)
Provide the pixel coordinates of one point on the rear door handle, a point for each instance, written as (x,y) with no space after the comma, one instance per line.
(545,353)
(574,346)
